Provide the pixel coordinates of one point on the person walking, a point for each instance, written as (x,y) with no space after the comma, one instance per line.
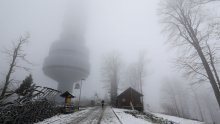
(103,102)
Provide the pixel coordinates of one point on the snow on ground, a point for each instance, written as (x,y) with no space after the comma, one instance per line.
(109,117)
(127,118)
(141,118)
(93,115)
(64,118)
(177,119)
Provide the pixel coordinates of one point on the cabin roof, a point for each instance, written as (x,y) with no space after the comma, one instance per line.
(66,94)
(130,90)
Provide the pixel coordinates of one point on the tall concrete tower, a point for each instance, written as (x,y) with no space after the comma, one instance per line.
(68,59)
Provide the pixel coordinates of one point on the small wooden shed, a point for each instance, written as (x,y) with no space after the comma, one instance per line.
(68,108)
(129,99)
(68,96)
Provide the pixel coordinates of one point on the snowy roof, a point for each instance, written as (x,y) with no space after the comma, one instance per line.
(130,90)
(67,94)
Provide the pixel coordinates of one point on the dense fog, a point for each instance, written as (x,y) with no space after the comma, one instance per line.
(131,32)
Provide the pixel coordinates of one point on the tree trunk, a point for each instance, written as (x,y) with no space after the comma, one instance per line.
(7,80)
(216,74)
(214,69)
(205,63)
(209,72)
(213,65)
(14,54)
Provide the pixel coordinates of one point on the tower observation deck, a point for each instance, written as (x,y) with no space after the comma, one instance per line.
(68,59)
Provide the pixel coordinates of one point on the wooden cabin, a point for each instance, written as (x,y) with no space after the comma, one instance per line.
(130,99)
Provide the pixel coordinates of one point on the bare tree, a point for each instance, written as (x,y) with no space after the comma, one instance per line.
(137,72)
(205,1)
(169,104)
(141,69)
(197,103)
(131,77)
(174,98)
(212,112)
(185,22)
(111,74)
(15,54)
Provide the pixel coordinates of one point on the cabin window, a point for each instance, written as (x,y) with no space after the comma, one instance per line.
(123,100)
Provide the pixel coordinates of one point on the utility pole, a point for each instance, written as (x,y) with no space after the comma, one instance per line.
(80,92)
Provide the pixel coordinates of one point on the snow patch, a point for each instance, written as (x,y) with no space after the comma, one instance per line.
(64,118)
(127,118)
(178,120)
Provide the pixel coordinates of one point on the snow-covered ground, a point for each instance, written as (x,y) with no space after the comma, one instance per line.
(88,116)
(97,115)
(109,117)
(178,120)
(140,119)
(127,118)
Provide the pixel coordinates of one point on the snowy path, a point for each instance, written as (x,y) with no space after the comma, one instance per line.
(93,115)
(109,117)
(97,115)
(88,116)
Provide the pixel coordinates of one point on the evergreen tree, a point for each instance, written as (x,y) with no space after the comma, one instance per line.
(26,84)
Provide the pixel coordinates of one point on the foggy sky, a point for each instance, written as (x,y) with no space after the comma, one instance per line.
(126,26)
